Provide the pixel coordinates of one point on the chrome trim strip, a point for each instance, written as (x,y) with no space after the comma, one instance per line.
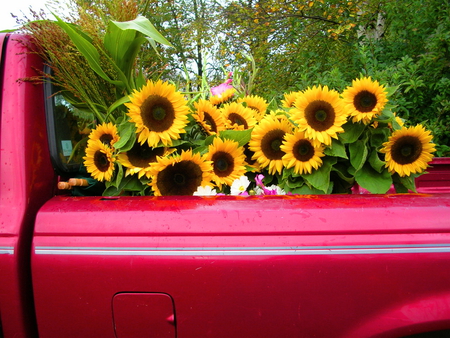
(254,251)
(6,250)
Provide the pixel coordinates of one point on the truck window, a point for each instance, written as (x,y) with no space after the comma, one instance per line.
(67,128)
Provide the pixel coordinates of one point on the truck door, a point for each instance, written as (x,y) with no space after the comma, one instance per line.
(26,181)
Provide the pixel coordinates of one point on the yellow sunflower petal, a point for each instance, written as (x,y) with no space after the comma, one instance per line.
(106,133)
(408,150)
(257,103)
(180,174)
(238,117)
(99,160)
(159,112)
(319,113)
(302,153)
(228,161)
(265,142)
(208,117)
(364,100)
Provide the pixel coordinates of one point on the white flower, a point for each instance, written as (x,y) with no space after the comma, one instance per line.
(259,191)
(278,190)
(272,190)
(205,191)
(240,185)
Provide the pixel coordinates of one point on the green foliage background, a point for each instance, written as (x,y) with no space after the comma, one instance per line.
(296,44)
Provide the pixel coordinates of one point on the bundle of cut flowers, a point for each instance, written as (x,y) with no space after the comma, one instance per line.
(147,138)
(315,141)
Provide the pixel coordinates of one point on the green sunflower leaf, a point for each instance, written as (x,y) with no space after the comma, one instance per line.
(128,184)
(375,161)
(378,136)
(201,150)
(352,132)
(127,132)
(320,178)
(305,190)
(117,104)
(405,184)
(337,149)
(240,136)
(342,172)
(358,154)
(373,181)
(119,174)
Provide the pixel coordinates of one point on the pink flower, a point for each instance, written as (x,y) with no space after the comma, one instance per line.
(218,90)
(263,190)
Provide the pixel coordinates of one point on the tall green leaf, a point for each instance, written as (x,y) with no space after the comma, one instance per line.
(117,42)
(87,49)
(144,26)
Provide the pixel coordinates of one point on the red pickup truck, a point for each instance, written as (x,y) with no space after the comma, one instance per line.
(348,266)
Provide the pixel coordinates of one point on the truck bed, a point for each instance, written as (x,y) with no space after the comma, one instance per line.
(278,266)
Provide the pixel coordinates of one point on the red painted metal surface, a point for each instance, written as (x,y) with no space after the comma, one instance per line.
(292,266)
(437,178)
(143,315)
(26,183)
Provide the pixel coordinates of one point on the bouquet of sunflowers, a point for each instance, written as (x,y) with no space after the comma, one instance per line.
(152,140)
(317,141)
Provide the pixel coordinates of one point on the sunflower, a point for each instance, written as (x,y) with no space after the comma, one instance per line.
(238,117)
(364,100)
(289,99)
(318,112)
(99,160)
(280,114)
(159,112)
(266,140)
(137,160)
(106,133)
(226,96)
(408,150)
(180,174)
(228,161)
(257,103)
(249,161)
(301,153)
(209,117)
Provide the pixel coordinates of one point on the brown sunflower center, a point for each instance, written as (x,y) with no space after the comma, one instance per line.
(101,161)
(209,120)
(270,144)
(365,101)
(248,155)
(223,163)
(157,113)
(303,150)
(141,155)
(406,149)
(238,119)
(106,139)
(320,115)
(256,109)
(182,178)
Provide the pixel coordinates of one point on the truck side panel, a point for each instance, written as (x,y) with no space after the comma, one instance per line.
(26,178)
(292,266)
